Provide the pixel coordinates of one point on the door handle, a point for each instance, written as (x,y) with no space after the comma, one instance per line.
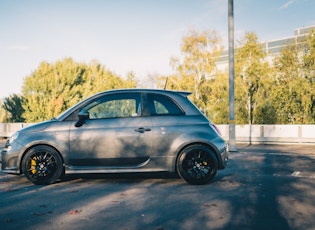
(142,130)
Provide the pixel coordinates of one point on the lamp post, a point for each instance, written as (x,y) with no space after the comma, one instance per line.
(232,142)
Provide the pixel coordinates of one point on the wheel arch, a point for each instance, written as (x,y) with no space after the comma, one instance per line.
(40,144)
(207,145)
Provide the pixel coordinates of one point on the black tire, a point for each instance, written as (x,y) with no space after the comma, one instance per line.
(197,164)
(42,165)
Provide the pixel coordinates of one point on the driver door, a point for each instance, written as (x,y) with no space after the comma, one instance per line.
(114,135)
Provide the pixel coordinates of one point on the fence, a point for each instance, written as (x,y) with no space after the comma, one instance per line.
(268,134)
(7,129)
(244,133)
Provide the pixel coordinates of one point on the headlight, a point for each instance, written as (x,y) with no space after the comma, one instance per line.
(14,136)
(11,139)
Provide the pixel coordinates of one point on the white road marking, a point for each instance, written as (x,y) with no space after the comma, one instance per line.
(296,173)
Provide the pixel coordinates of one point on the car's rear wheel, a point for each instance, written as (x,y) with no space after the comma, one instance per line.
(197,164)
(42,165)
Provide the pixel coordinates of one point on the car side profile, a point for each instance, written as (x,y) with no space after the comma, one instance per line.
(120,131)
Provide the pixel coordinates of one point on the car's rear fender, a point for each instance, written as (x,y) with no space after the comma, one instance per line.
(214,143)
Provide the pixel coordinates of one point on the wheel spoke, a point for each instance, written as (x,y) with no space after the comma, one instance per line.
(41,165)
(197,164)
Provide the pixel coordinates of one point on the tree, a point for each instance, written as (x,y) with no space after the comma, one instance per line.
(53,88)
(252,73)
(14,109)
(97,78)
(309,67)
(3,113)
(196,71)
(294,83)
(216,90)
(287,66)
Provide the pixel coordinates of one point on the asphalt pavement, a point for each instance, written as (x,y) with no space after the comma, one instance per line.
(263,187)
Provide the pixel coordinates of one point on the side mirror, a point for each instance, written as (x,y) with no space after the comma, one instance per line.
(83,115)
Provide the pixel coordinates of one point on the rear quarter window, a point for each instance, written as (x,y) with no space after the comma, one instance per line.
(163,105)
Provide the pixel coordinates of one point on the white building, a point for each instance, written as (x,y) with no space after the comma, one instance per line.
(272,48)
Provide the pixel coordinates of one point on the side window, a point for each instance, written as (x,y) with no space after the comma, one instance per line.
(160,108)
(115,106)
(163,105)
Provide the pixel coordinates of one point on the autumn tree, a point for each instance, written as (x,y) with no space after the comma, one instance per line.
(309,75)
(54,87)
(196,71)
(294,93)
(216,91)
(97,78)
(287,84)
(252,81)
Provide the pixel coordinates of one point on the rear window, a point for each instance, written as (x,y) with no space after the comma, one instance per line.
(163,105)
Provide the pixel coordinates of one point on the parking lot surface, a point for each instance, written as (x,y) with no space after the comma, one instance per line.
(263,187)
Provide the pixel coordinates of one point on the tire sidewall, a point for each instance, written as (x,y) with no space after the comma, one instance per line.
(52,178)
(185,176)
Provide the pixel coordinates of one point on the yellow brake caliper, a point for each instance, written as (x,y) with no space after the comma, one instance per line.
(33,164)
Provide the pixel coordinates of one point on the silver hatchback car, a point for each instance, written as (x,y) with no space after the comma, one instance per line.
(120,131)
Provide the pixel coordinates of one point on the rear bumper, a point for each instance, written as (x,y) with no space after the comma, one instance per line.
(222,152)
(225,158)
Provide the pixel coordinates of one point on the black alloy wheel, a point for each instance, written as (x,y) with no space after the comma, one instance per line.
(42,165)
(197,164)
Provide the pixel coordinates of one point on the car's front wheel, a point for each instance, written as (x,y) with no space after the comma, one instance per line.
(197,164)
(42,165)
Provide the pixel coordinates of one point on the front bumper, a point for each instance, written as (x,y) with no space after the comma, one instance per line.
(10,160)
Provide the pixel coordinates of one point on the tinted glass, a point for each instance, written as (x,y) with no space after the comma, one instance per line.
(114,106)
(163,105)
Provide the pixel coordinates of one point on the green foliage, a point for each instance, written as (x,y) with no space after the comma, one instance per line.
(252,79)
(280,90)
(53,88)
(13,107)
(281,93)
(294,81)
(3,114)
(216,97)
(196,72)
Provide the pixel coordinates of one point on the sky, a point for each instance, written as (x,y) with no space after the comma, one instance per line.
(137,36)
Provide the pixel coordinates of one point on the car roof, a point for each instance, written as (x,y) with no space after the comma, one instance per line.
(163,91)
